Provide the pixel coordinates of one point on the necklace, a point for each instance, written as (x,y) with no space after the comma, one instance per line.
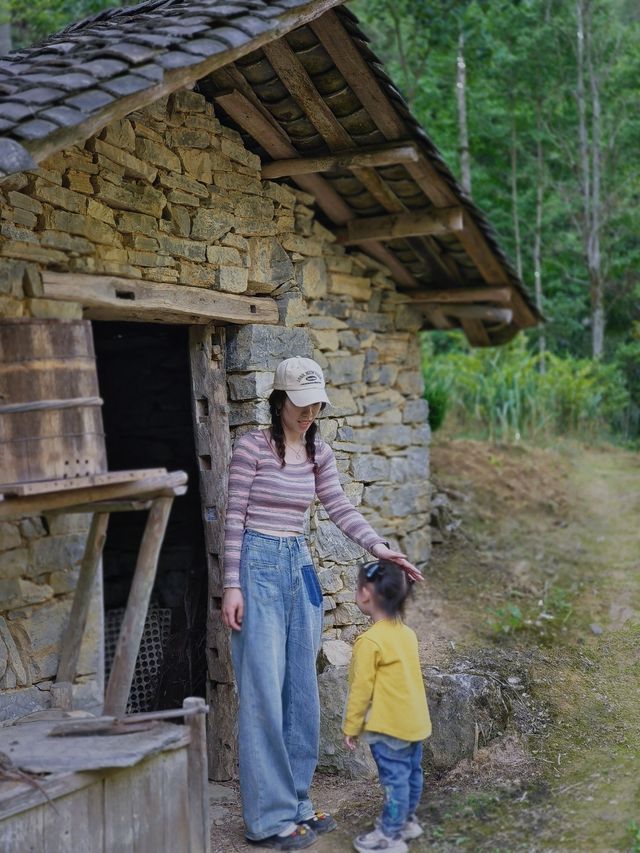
(299,453)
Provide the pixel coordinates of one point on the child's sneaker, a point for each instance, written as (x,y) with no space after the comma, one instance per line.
(320,823)
(411,829)
(377,840)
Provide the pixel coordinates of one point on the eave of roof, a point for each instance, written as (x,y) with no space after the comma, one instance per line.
(61,92)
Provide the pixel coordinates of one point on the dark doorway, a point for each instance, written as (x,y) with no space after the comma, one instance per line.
(143,372)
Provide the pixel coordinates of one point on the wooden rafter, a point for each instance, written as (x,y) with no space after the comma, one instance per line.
(361,79)
(386,155)
(107,297)
(302,88)
(243,112)
(485,313)
(437,221)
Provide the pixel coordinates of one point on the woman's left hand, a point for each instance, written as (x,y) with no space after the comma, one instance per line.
(383,553)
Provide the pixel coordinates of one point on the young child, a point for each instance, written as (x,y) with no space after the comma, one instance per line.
(387,705)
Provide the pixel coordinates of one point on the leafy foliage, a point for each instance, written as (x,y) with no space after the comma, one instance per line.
(503,394)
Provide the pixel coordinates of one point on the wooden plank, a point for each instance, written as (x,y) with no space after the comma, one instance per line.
(437,318)
(128,645)
(385,155)
(198,776)
(21,797)
(463,294)
(22,507)
(107,297)
(179,78)
(276,144)
(74,633)
(207,349)
(436,221)
(173,787)
(39,487)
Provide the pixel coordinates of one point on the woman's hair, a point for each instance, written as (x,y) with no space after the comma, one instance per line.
(276,402)
(391,586)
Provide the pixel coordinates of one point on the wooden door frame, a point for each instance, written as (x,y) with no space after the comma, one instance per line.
(207,354)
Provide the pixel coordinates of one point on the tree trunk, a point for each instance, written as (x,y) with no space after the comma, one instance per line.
(537,238)
(5,27)
(514,192)
(463,130)
(590,170)
(593,249)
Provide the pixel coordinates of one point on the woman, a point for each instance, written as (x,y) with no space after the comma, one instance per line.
(273,603)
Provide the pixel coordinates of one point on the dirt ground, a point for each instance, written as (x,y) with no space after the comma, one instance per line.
(538,575)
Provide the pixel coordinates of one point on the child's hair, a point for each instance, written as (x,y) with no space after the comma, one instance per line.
(391,586)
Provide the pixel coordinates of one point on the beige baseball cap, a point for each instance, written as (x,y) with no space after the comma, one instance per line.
(302,380)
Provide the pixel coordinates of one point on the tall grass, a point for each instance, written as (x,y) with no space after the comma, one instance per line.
(504,395)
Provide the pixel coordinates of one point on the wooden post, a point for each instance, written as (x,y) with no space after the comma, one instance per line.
(207,347)
(124,660)
(82,599)
(198,777)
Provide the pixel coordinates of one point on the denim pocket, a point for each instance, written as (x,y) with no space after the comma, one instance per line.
(312,585)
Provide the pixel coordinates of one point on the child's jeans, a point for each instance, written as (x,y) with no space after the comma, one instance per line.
(400,772)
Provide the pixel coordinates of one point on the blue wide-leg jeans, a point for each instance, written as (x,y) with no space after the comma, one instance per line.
(274,659)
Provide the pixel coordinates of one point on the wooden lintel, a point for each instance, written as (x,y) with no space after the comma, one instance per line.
(106,297)
(387,155)
(460,295)
(437,221)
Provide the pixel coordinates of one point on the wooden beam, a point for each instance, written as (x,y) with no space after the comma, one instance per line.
(358,74)
(107,297)
(302,88)
(399,272)
(487,313)
(387,155)
(135,614)
(476,333)
(437,221)
(275,143)
(463,295)
(363,82)
(246,115)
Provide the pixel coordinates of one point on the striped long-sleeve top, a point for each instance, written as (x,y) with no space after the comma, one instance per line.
(265,496)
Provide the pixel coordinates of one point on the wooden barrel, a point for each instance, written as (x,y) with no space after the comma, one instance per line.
(50,408)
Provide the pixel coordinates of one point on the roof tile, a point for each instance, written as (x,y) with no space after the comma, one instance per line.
(177,59)
(105,67)
(63,115)
(14,158)
(35,129)
(38,95)
(14,112)
(126,85)
(93,99)
(129,51)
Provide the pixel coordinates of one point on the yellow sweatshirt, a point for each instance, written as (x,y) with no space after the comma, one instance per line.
(386,691)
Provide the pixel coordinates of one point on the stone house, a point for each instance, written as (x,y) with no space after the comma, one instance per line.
(216,187)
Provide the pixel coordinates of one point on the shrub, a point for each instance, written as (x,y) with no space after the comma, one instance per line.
(437,397)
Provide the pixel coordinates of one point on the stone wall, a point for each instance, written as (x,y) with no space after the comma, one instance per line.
(171,195)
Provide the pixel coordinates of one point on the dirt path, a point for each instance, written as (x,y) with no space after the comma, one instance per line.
(564,530)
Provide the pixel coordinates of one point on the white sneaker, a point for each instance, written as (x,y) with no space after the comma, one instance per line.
(411,829)
(377,840)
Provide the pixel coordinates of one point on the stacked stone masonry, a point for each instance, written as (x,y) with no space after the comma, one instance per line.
(170,195)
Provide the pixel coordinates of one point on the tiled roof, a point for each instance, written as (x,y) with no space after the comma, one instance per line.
(55,92)
(66,89)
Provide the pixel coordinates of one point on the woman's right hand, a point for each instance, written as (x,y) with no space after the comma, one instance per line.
(232,608)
